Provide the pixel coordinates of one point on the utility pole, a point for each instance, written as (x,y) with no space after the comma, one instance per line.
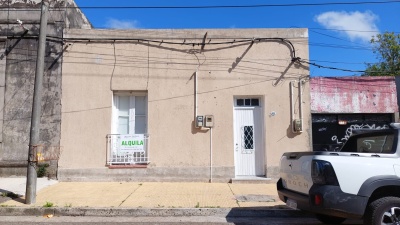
(31,178)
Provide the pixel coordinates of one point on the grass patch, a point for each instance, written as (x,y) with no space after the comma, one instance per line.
(3,206)
(48,205)
(42,169)
(198,206)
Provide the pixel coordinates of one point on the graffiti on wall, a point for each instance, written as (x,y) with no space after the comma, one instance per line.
(349,131)
(329,135)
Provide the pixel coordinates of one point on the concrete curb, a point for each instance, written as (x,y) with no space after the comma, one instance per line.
(152,212)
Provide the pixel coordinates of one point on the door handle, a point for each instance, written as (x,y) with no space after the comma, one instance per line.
(237,147)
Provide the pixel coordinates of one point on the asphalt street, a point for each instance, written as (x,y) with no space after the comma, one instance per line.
(197,220)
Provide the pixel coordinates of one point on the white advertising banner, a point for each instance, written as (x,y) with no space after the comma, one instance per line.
(131,143)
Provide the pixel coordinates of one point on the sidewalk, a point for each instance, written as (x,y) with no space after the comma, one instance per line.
(144,194)
(144,198)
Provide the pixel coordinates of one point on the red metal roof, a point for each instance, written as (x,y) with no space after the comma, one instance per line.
(353,95)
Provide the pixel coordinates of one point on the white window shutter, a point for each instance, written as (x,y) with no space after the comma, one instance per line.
(114,113)
(132,115)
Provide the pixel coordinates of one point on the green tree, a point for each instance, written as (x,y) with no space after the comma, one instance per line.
(387,48)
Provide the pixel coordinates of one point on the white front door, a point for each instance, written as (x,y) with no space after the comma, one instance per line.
(248,141)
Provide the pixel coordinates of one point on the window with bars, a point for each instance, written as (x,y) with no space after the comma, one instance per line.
(248,137)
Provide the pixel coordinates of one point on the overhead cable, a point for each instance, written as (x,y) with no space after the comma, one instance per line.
(238,6)
(228,6)
(252,40)
(332,68)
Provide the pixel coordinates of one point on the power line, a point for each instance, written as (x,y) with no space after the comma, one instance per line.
(348,47)
(295,59)
(236,6)
(289,43)
(336,62)
(335,68)
(337,38)
(234,41)
(222,6)
(125,61)
(328,67)
(344,30)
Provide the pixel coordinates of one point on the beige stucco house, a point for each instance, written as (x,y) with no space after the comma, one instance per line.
(182,105)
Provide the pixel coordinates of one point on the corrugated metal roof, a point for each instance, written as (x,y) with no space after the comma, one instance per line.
(353,95)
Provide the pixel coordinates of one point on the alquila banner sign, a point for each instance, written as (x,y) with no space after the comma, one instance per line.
(131,143)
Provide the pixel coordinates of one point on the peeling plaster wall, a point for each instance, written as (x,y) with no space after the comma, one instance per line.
(18,53)
(20,72)
(19,83)
(353,95)
(2,87)
(62,11)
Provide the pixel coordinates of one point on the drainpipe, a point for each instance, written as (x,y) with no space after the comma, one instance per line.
(300,103)
(291,107)
(211,159)
(300,93)
(195,95)
(195,117)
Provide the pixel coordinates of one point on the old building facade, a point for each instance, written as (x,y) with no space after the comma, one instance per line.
(196,105)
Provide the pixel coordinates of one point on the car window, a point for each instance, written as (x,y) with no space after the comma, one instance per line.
(384,142)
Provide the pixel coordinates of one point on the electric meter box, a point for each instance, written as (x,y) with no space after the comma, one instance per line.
(298,125)
(199,121)
(209,121)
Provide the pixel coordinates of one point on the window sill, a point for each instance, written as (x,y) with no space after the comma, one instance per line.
(127,166)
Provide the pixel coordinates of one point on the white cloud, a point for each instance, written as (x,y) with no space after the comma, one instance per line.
(353,24)
(121,24)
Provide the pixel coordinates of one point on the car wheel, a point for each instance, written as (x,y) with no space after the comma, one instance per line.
(383,211)
(330,219)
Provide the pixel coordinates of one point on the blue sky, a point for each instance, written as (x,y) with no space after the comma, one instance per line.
(338,34)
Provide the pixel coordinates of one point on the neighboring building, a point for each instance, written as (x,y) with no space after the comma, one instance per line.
(130,100)
(18,51)
(340,105)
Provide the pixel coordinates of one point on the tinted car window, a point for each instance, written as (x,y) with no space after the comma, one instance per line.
(375,142)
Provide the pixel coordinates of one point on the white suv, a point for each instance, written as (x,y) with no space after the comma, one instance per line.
(362,180)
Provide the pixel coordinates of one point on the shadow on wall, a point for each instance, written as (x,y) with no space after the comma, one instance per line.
(198,130)
(289,132)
